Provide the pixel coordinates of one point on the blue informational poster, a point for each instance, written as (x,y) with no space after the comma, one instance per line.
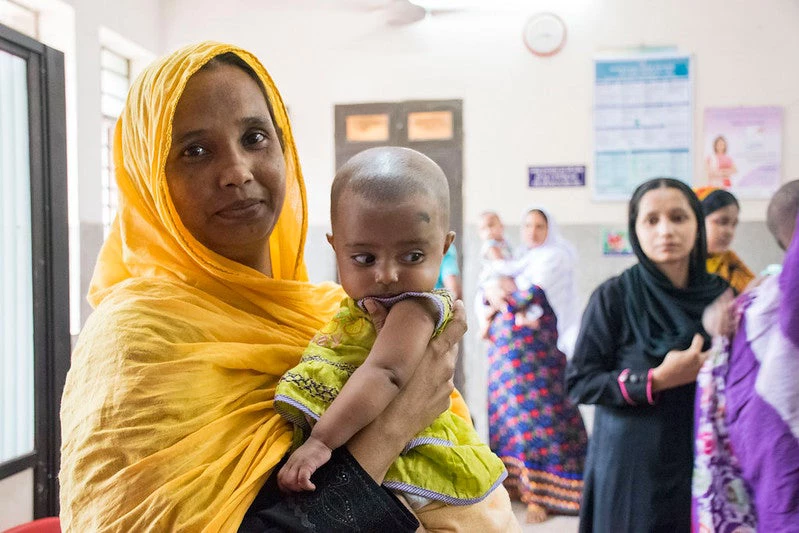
(643,122)
(566,176)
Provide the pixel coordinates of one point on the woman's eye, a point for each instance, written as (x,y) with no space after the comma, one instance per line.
(194,150)
(363,259)
(253,138)
(413,257)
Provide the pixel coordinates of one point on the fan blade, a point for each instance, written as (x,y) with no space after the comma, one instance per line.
(404,12)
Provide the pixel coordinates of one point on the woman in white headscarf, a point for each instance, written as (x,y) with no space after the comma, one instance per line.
(533,426)
(546,259)
(549,261)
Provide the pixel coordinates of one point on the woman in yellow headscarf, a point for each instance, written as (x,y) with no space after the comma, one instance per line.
(201,304)
(721,218)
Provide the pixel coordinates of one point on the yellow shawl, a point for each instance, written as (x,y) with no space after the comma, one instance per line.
(167,415)
(730,267)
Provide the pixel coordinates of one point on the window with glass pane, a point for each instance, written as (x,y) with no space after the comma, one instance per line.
(16,284)
(114,85)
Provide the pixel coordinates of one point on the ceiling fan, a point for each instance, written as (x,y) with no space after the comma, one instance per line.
(405,12)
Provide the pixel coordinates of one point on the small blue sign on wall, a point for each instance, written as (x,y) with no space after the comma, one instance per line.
(571,176)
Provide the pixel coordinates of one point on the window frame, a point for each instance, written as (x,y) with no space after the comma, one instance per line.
(50,261)
(110,190)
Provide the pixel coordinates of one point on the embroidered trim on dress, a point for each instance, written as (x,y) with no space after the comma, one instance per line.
(432,495)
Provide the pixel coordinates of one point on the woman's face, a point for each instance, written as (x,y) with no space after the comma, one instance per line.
(534,229)
(720,228)
(666,226)
(720,146)
(225,168)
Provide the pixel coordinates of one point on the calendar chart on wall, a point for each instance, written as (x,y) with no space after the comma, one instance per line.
(643,122)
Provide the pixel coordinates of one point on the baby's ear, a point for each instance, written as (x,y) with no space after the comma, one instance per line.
(448,239)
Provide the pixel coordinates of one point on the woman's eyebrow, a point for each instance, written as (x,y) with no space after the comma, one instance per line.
(255,120)
(180,138)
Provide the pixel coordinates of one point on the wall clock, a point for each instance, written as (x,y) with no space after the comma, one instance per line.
(544,34)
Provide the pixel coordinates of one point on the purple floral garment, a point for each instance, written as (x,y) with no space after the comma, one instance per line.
(722,500)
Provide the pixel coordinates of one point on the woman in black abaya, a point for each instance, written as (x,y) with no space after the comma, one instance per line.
(639,350)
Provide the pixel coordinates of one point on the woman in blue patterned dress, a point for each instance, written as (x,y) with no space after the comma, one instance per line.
(534,428)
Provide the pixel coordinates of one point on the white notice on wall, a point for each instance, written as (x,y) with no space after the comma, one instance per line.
(643,122)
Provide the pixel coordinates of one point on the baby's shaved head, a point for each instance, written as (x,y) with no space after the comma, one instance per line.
(782,211)
(391,174)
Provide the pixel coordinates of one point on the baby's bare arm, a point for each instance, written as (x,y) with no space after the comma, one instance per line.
(495,253)
(392,361)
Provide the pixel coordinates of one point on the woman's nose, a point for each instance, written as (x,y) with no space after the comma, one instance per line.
(235,171)
(666,227)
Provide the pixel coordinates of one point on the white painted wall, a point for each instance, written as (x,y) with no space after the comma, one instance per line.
(518,109)
(16,499)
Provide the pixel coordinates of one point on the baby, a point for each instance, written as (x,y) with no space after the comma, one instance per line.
(390,219)
(492,233)
(496,255)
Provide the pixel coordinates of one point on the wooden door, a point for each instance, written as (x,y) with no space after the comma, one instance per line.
(432,127)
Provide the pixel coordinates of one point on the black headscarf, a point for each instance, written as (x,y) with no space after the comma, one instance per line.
(664,317)
(717,199)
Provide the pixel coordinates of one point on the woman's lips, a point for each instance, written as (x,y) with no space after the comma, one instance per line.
(242,209)
(668,247)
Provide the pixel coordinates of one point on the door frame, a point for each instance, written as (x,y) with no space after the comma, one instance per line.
(50,261)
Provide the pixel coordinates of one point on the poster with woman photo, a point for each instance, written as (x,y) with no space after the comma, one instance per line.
(743,149)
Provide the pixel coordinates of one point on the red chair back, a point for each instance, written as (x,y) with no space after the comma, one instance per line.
(42,525)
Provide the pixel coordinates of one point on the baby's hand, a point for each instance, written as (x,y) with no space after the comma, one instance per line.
(296,473)
(719,317)
(485,327)
(377,312)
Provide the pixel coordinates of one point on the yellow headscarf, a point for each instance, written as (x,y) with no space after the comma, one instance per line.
(167,414)
(729,266)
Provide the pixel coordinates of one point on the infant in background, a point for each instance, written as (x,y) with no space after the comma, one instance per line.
(496,256)
(492,233)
